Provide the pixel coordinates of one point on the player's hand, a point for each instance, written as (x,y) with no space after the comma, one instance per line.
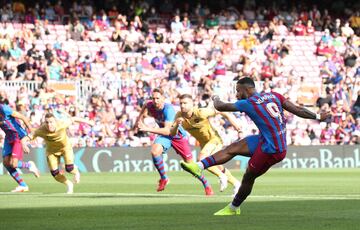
(26,149)
(141,126)
(215,98)
(179,120)
(325,115)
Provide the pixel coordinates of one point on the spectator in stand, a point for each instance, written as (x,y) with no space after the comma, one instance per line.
(299,29)
(159,62)
(55,70)
(309,28)
(336,29)
(50,12)
(100,56)
(113,14)
(15,52)
(176,26)
(327,135)
(346,30)
(282,30)
(59,9)
(212,22)
(77,30)
(355,21)
(241,23)
(186,23)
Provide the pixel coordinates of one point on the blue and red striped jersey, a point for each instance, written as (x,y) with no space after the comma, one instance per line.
(167,114)
(266,111)
(10,125)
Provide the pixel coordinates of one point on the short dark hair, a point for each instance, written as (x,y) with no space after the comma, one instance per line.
(186,95)
(49,115)
(158,90)
(247,82)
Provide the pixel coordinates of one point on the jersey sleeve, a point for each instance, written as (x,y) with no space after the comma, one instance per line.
(169,114)
(178,114)
(281,98)
(38,133)
(207,112)
(7,110)
(241,105)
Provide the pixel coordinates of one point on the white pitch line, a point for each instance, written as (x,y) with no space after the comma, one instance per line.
(272,197)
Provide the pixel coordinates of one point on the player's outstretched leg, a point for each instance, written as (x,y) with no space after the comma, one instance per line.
(62,179)
(30,165)
(221,175)
(196,171)
(217,158)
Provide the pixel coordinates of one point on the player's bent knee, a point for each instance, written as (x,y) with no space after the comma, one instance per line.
(55,172)
(69,168)
(6,163)
(249,177)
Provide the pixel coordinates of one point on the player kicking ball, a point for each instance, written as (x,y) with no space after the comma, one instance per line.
(265,149)
(53,131)
(196,122)
(15,145)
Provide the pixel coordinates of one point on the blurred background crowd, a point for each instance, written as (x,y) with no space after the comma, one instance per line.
(101,60)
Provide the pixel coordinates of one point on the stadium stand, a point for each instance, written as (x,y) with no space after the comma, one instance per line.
(102,64)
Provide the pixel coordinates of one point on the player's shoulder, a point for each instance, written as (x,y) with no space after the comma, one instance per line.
(149,103)
(168,106)
(178,114)
(278,96)
(205,111)
(4,107)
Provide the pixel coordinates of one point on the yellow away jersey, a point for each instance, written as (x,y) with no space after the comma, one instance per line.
(57,140)
(199,126)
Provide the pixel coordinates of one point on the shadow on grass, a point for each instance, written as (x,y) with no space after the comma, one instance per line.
(338,214)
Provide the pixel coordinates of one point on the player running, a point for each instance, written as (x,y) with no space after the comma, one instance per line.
(265,149)
(13,148)
(53,131)
(195,121)
(164,115)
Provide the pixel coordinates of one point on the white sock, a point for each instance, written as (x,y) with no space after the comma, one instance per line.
(200,165)
(223,176)
(232,207)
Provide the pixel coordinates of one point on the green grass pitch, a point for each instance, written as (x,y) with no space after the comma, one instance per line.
(281,199)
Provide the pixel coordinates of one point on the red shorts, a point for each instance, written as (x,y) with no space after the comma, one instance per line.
(260,162)
(13,148)
(182,148)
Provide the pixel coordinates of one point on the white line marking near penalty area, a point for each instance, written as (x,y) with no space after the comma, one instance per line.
(271,197)
(264,197)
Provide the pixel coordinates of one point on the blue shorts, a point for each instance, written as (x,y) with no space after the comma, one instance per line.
(180,145)
(252,142)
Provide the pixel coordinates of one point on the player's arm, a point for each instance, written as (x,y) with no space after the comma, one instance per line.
(231,118)
(223,106)
(82,120)
(77,119)
(303,112)
(26,121)
(141,116)
(175,126)
(165,131)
